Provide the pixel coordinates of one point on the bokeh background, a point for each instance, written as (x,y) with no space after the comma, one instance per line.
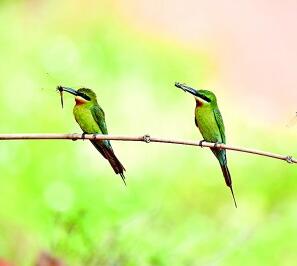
(62,198)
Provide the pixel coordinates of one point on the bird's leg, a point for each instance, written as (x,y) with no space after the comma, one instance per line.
(83,136)
(200,142)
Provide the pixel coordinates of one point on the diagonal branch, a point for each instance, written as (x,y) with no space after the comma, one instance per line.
(144,138)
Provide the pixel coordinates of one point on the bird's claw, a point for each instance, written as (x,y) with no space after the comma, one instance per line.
(83,136)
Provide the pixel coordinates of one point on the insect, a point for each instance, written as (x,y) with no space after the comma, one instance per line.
(60,89)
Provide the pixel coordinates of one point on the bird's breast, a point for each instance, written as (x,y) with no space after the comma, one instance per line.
(206,122)
(85,119)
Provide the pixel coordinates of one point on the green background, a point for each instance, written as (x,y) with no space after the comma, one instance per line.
(62,197)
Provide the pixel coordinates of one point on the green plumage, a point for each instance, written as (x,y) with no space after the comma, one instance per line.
(209,120)
(91,118)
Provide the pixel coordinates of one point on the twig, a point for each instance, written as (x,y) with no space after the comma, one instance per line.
(144,138)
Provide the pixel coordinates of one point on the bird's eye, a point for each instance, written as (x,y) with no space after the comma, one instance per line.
(85,96)
(205,98)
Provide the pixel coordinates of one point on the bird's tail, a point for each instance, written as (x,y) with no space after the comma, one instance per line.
(221,155)
(228,180)
(109,155)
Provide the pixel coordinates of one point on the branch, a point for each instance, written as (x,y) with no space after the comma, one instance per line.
(145,138)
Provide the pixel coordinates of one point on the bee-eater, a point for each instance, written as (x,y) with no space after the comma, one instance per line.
(209,120)
(91,119)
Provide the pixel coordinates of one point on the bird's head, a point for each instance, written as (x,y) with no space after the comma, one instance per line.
(202,97)
(86,95)
(82,95)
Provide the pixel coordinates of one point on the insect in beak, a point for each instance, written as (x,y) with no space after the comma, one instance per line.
(60,89)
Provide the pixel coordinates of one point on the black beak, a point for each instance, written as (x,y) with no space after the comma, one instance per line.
(186,88)
(72,91)
(192,91)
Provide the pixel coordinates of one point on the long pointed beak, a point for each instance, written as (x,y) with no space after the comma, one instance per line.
(69,90)
(186,88)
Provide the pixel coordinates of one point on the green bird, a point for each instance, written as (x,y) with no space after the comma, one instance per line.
(91,119)
(209,120)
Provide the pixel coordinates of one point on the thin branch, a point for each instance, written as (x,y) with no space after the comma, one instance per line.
(145,138)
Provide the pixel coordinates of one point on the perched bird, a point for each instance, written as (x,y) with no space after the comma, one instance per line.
(209,120)
(91,118)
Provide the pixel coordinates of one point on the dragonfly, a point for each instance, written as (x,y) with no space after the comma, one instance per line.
(60,89)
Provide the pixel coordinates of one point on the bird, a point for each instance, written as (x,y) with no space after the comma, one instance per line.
(91,119)
(210,123)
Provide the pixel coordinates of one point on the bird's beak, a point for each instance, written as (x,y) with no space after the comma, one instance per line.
(69,90)
(198,95)
(186,89)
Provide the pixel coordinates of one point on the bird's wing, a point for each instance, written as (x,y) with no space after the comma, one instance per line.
(99,117)
(220,123)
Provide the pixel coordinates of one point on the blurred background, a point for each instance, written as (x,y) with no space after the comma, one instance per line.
(62,199)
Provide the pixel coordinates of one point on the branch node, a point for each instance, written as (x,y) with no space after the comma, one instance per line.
(289,159)
(147,138)
(75,137)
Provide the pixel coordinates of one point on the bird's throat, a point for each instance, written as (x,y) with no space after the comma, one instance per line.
(198,103)
(79,100)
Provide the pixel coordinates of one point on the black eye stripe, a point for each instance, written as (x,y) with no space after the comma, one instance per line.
(205,98)
(86,97)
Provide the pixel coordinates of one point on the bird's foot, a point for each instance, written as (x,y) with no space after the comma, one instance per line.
(200,142)
(94,135)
